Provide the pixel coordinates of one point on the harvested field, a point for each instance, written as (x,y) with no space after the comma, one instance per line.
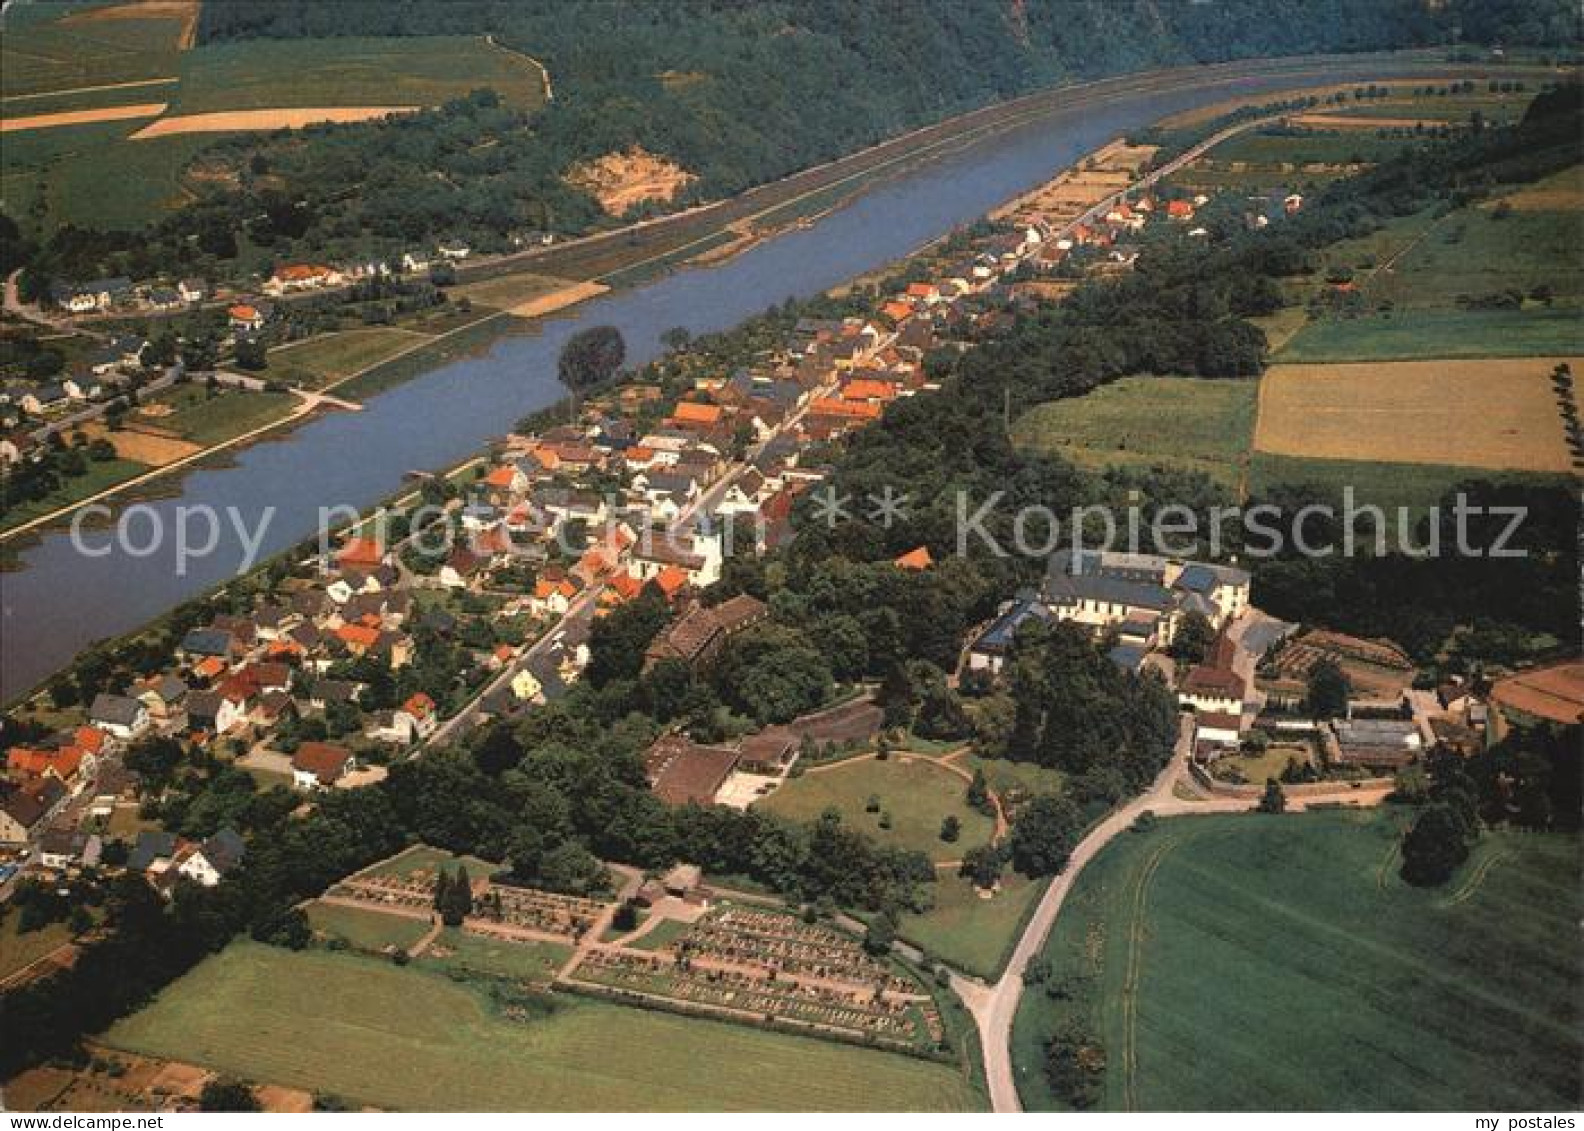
(82,117)
(621,180)
(184,10)
(1499,414)
(231,121)
(151,446)
(1555,694)
(1347,122)
(1560,192)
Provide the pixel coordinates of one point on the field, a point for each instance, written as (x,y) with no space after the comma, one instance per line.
(1400,335)
(973,934)
(916,793)
(18,951)
(206,420)
(526,294)
(1181,422)
(332,357)
(91,175)
(43,54)
(396,71)
(1381,483)
(365,930)
(1497,414)
(99,476)
(383,1035)
(1256,963)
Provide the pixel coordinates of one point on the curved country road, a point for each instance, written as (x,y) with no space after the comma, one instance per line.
(994,1006)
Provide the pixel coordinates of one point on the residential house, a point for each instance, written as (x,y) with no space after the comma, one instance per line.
(214,859)
(989,651)
(27,809)
(118,715)
(320,765)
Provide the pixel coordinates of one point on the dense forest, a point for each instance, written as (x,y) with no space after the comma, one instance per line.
(737,94)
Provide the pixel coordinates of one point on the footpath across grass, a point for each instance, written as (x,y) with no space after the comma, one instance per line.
(1243,962)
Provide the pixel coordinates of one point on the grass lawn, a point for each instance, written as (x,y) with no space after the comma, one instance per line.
(425,859)
(662,935)
(506,291)
(973,934)
(917,794)
(1278,963)
(1183,422)
(99,476)
(318,361)
(18,950)
(1388,485)
(344,71)
(403,1038)
(206,419)
(458,951)
(1006,776)
(1257,769)
(366,930)
(1405,334)
(469,338)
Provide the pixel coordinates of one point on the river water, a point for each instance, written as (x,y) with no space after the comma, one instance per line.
(64,598)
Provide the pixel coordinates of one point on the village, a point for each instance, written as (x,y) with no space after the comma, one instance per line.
(388,645)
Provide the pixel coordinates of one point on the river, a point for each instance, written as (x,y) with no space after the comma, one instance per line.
(62,598)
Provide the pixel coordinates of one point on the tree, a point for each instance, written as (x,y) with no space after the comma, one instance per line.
(227,1095)
(982,864)
(881,935)
(626,917)
(1434,847)
(1274,799)
(590,358)
(1044,835)
(978,797)
(951,829)
(1075,1064)
(1193,638)
(676,338)
(251,354)
(1328,691)
(457,903)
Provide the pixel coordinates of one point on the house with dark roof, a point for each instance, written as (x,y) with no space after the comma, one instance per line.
(214,859)
(25,810)
(319,765)
(990,649)
(118,715)
(698,635)
(682,772)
